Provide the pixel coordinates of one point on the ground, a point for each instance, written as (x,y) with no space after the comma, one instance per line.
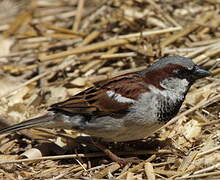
(51,50)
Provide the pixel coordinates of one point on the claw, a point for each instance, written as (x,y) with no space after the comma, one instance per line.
(125,161)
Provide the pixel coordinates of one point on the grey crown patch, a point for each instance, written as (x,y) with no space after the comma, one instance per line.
(179,60)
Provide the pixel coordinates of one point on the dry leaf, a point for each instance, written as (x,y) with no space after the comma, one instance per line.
(191,129)
(31,153)
(5,46)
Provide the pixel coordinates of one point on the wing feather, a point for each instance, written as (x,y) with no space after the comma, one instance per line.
(96,101)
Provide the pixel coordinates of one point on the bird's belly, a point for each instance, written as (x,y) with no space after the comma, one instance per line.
(133,126)
(130,133)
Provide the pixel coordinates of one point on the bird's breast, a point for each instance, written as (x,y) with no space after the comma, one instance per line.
(157,106)
(168,109)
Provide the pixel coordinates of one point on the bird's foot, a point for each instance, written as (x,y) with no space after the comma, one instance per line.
(125,161)
(114,157)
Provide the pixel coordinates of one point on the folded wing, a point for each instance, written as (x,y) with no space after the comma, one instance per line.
(109,97)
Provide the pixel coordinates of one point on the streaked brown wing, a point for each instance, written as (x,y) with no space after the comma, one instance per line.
(95,100)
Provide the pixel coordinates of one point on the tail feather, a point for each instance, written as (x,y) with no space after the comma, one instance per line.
(42,121)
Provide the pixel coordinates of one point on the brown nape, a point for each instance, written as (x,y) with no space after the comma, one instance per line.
(154,77)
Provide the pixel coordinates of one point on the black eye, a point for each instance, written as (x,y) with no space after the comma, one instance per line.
(183,73)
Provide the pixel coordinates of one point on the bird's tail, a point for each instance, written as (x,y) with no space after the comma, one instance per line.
(42,121)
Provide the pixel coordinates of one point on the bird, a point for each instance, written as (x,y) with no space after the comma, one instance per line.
(125,108)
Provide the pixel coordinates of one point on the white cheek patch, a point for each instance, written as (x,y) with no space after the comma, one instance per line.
(119,97)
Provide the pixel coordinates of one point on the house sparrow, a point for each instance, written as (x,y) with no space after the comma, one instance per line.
(125,108)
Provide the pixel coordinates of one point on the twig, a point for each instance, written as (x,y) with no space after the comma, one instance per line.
(17,23)
(62,30)
(36,78)
(88,155)
(78,15)
(148,33)
(137,167)
(200,175)
(210,168)
(88,48)
(25,84)
(187,30)
(70,170)
(149,171)
(199,105)
(164,14)
(93,35)
(53,18)
(106,171)
(118,55)
(211,52)
(203,42)
(124,39)
(207,152)
(7,175)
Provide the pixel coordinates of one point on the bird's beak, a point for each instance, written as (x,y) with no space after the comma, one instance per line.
(200,73)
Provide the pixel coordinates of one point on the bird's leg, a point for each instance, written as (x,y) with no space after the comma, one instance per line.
(114,157)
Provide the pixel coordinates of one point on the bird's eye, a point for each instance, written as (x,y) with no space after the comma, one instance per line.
(176,71)
(182,73)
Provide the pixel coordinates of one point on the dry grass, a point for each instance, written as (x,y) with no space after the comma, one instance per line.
(50,50)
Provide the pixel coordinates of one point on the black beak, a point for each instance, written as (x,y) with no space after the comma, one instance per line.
(200,73)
